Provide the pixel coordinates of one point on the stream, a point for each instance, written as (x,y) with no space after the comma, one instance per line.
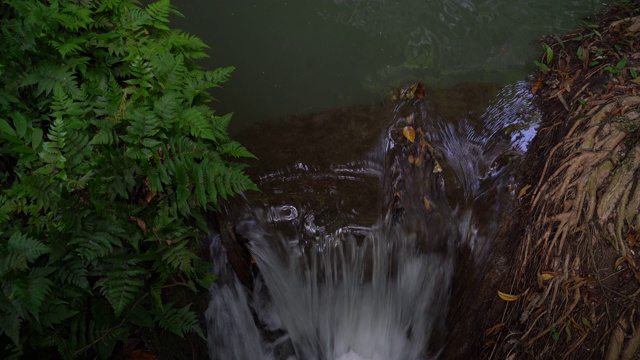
(363,229)
(356,260)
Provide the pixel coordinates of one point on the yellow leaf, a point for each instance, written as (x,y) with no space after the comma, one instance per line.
(409,133)
(546,275)
(427,204)
(508,297)
(523,191)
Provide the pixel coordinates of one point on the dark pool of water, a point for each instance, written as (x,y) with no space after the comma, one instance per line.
(300,56)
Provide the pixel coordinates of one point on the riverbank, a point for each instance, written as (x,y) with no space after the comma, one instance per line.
(569,269)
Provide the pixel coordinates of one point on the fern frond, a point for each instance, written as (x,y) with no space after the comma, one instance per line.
(179,320)
(106,134)
(190,46)
(91,246)
(198,122)
(166,107)
(134,18)
(182,187)
(10,325)
(28,247)
(73,272)
(47,76)
(121,286)
(56,312)
(159,11)
(233,148)
(178,255)
(221,124)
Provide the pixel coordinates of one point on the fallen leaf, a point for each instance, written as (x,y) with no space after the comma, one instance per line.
(508,297)
(409,133)
(546,275)
(427,204)
(621,260)
(149,196)
(493,329)
(140,222)
(523,191)
(411,159)
(420,91)
(536,85)
(577,282)
(632,240)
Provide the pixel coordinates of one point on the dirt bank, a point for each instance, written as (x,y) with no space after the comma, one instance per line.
(569,267)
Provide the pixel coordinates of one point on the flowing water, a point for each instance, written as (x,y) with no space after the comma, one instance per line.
(344,272)
(355,250)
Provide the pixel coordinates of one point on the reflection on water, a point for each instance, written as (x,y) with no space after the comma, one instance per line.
(308,55)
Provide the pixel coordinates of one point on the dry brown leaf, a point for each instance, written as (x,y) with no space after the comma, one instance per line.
(621,260)
(409,133)
(536,85)
(508,297)
(492,330)
(523,191)
(141,224)
(411,159)
(632,239)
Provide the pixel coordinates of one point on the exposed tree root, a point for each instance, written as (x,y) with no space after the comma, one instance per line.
(580,245)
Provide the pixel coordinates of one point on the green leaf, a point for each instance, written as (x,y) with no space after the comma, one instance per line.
(179,321)
(36,138)
(6,128)
(121,287)
(549,53)
(234,149)
(20,122)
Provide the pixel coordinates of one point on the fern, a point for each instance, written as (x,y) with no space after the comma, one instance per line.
(188,45)
(179,321)
(120,287)
(179,256)
(234,149)
(29,248)
(113,156)
(196,120)
(159,11)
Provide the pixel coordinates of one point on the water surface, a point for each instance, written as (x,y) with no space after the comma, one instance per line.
(299,56)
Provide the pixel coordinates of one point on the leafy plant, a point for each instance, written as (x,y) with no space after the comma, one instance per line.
(546,60)
(615,70)
(109,157)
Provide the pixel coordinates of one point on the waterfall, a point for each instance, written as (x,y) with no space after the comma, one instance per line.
(379,297)
(232,333)
(335,281)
